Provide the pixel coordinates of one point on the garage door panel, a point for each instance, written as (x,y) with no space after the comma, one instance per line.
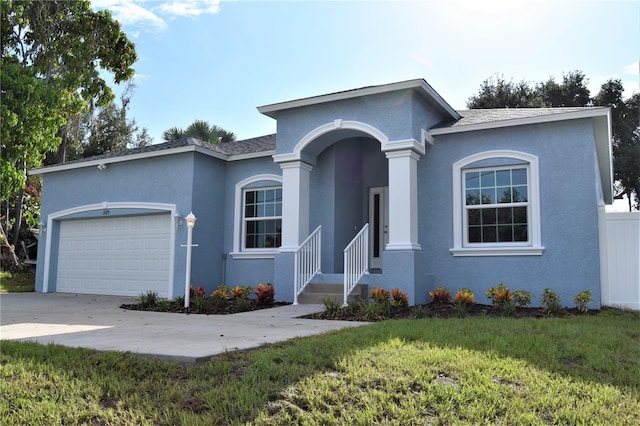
(117,255)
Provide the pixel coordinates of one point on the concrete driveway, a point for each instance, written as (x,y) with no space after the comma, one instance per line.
(97,322)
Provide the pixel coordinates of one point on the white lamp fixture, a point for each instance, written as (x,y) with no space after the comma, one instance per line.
(191,222)
(102,166)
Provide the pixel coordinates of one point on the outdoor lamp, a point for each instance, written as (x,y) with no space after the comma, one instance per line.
(191,222)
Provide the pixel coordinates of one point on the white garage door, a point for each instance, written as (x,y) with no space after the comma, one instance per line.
(123,256)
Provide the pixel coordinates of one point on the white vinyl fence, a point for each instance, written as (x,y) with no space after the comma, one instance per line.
(620,260)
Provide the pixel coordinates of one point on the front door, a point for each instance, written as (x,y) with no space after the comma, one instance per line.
(378,225)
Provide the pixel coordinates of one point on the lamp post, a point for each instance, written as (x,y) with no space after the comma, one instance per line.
(191,222)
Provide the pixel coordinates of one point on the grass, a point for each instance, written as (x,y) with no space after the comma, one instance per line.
(17,282)
(575,370)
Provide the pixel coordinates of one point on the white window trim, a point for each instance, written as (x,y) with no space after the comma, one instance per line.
(238,220)
(534,246)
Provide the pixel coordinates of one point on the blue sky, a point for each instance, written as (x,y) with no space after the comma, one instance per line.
(218,61)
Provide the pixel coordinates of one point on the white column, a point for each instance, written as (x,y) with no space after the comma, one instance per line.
(295,204)
(403,200)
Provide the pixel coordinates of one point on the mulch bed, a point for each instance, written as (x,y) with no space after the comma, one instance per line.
(210,308)
(432,310)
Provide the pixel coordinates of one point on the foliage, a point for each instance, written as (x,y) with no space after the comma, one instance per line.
(496,92)
(522,298)
(499,295)
(484,371)
(371,310)
(331,306)
(222,292)
(464,297)
(54,57)
(264,293)
(107,129)
(582,299)
(196,292)
(201,303)
(400,298)
(551,301)
(379,294)
(240,292)
(202,130)
(242,304)
(17,282)
(149,298)
(440,295)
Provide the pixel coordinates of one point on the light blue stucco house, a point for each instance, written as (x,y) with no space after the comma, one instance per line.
(422,194)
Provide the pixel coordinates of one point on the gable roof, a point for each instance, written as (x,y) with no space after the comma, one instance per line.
(479,119)
(419,85)
(262,146)
(483,119)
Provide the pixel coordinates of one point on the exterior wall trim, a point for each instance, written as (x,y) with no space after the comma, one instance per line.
(171,208)
(326,128)
(534,248)
(237,252)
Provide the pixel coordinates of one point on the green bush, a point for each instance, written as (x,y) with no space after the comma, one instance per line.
(582,299)
(522,298)
(551,301)
(149,299)
(331,306)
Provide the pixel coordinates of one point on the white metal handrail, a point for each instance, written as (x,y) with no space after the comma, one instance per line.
(307,262)
(356,260)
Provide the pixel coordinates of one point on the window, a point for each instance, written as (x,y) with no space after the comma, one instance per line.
(496,205)
(262,218)
(257,221)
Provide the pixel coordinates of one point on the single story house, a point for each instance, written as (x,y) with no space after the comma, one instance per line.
(421,194)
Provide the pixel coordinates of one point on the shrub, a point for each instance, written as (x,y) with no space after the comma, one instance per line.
(440,295)
(464,298)
(499,295)
(419,312)
(400,298)
(264,293)
(242,305)
(201,304)
(148,299)
(222,292)
(179,301)
(522,298)
(165,305)
(582,299)
(509,307)
(240,292)
(551,301)
(371,310)
(198,291)
(331,306)
(380,294)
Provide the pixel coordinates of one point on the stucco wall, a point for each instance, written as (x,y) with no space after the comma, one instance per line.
(568,209)
(245,271)
(163,179)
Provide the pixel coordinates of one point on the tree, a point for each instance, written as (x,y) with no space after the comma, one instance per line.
(573,91)
(53,53)
(625,117)
(202,130)
(109,129)
(499,93)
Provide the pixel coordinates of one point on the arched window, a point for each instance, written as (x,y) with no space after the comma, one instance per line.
(496,205)
(258,217)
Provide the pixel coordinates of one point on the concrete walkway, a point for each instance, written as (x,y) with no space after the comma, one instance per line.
(97,322)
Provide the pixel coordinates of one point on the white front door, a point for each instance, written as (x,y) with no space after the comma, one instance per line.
(378,225)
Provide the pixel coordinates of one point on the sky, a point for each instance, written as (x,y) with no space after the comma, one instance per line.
(219,60)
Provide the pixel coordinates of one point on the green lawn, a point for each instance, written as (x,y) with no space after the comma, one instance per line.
(575,370)
(17,282)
